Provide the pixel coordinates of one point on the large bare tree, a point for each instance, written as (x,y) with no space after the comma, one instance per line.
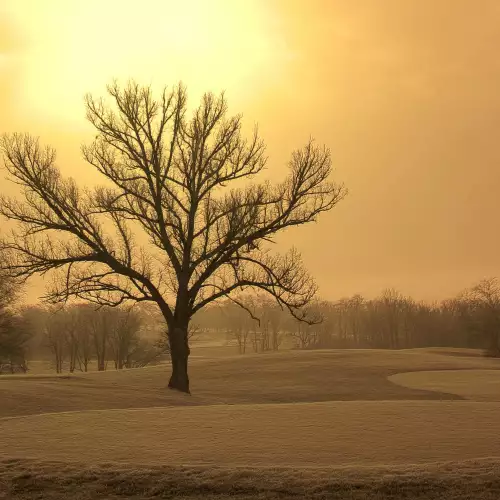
(167,174)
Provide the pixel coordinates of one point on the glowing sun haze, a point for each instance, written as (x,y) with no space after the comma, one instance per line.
(404,92)
(73,47)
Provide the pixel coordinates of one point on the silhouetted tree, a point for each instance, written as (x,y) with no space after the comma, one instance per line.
(166,173)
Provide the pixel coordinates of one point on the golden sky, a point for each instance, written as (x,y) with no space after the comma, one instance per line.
(406,94)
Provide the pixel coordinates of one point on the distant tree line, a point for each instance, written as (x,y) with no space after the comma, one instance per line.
(79,337)
(389,321)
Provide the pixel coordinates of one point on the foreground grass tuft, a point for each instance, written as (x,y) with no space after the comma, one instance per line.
(28,480)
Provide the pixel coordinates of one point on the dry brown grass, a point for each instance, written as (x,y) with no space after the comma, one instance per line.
(342,375)
(29,480)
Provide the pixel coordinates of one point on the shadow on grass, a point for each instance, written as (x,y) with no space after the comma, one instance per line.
(38,376)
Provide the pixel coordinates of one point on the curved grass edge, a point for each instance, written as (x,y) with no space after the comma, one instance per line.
(451,382)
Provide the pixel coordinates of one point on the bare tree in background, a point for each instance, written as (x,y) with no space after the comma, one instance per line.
(55,330)
(386,316)
(84,333)
(241,333)
(305,335)
(14,337)
(101,322)
(72,337)
(480,309)
(238,322)
(167,174)
(124,336)
(275,320)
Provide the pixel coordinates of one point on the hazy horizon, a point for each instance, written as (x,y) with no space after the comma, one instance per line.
(404,94)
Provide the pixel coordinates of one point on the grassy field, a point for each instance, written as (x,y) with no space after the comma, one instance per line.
(297,418)
(288,377)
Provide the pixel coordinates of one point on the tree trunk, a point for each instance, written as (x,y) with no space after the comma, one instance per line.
(179,354)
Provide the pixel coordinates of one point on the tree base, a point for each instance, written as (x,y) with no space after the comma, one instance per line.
(184,388)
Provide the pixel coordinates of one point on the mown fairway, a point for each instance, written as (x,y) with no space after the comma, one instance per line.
(283,435)
(287,377)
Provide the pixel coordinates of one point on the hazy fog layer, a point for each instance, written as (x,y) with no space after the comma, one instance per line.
(405,94)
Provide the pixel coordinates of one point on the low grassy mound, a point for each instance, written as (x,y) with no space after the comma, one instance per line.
(308,434)
(29,480)
(452,351)
(477,385)
(284,377)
